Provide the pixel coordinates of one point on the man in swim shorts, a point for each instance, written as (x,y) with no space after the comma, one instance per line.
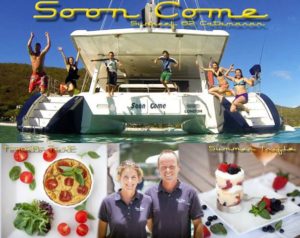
(166,61)
(37,57)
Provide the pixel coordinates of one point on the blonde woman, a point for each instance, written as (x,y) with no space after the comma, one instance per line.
(126,212)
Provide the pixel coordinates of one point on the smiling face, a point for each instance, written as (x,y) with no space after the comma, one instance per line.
(129,179)
(238,73)
(215,66)
(111,55)
(71,60)
(168,167)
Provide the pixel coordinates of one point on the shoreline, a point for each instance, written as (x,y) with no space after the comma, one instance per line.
(11,124)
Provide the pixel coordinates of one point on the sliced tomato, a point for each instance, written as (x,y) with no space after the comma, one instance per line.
(81,216)
(69,181)
(26,177)
(82,229)
(82,190)
(64,229)
(51,183)
(62,163)
(65,196)
(21,155)
(50,154)
(84,172)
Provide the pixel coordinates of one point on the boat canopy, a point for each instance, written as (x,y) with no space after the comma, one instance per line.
(136,49)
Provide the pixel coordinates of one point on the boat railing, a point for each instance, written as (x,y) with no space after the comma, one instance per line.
(146,87)
(53,85)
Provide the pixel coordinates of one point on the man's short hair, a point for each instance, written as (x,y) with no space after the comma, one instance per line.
(165,51)
(167,151)
(38,44)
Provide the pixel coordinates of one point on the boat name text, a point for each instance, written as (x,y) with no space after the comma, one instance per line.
(152,106)
(48,10)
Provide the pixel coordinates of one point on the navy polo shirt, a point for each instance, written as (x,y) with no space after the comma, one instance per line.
(172,212)
(126,220)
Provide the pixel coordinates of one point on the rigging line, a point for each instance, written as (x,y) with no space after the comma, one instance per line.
(105,17)
(112,22)
(262,49)
(201,18)
(188,7)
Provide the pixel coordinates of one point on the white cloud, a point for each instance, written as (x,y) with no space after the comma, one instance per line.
(282,74)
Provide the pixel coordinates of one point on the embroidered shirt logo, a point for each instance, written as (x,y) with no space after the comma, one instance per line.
(139,209)
(181,200)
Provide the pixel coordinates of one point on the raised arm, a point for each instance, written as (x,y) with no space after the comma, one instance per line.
(46,49)
(249,81)
(230,69)
(60,49)
(155,60)
(29,43)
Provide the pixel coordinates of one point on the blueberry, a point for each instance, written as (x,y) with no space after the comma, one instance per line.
(210,218)
(208,223)
(288,194)
(272,212)
(293,199)
(275,205)
(271,229)
(281,230)
(204,207)
(299,205)
(215,217)
(265,229)
(282,207)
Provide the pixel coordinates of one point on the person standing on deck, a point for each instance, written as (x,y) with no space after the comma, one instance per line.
(166,75)
(37,58)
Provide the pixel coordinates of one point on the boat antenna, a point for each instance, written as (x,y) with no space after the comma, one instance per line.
(105,17)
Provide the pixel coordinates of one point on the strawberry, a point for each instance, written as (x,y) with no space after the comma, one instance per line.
(267,201)
(223,167)
(280,180)
(206,232)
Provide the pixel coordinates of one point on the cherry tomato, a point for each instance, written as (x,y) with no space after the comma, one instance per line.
(81,216)
(65,196)
(26,177)
(51,183)
(49,154)
(82,229)
(69,181)
(64,229)
(82,189)
(21,155)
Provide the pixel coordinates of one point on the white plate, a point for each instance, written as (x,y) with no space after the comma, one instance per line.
(244,221)
(16,192)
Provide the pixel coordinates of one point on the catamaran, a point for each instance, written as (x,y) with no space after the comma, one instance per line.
(140,103)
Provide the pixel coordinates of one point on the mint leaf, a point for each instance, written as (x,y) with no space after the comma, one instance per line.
(264,214)
(218,229)
(278,225)
(14,173)
(93,155)
(30,167)
(261,205)
(295,193)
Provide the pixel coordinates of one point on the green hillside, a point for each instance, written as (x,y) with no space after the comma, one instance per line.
(14,80)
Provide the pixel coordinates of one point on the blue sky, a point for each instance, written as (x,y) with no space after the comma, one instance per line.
(280,61)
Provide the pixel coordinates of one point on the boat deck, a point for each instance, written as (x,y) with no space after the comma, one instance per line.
(197,167)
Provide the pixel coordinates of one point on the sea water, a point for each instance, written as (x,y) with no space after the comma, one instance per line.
(10,134)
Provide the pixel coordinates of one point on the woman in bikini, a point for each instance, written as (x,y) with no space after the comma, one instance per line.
(223,86)
(240,83)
